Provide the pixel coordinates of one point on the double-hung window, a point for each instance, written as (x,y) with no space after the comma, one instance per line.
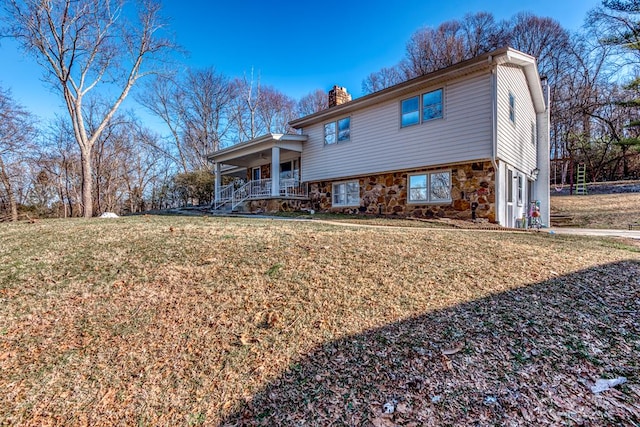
(432,105)
(338,131)
(411,111)
(430,187)
(346,193)
(422,108)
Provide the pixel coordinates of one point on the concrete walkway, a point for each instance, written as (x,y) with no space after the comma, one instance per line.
(630,234)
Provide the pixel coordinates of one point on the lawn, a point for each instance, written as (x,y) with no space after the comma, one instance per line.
(213,321)
(599,210)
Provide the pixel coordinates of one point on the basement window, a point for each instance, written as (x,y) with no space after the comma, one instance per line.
(432,187)
(346,194)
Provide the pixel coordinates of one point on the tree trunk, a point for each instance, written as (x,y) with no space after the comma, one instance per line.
(13,206)
(87,192)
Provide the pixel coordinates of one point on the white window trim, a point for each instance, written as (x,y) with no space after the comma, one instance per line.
(420,97)
(346,204)
(429,202)
(520,189)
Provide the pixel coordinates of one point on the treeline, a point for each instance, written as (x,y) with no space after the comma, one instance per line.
(134,169)
(591,75)
(97,157)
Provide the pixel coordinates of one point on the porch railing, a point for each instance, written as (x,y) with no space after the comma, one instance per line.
(224,196)
(256,189)
(293,188)
(259,189)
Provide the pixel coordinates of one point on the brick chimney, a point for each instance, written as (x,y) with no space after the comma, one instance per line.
(338,95)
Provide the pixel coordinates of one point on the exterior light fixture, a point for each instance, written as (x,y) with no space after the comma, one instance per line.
(534,173)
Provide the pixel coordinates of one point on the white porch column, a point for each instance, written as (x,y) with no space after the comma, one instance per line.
(218,169)
(275,171)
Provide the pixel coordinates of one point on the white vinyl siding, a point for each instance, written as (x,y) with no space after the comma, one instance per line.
(514,139)
(378,143)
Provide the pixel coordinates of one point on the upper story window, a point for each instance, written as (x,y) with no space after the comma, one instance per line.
(414,111)
(344,129)
(330,133)
(411,111)
(432,105)
(337,131)
(432,187)
(512,108)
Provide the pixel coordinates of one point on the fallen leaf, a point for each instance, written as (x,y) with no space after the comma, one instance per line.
(447,365)
(453,350)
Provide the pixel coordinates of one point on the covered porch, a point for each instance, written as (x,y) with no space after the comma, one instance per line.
(264,168)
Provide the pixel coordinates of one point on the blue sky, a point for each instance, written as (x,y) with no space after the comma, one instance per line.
(296,47)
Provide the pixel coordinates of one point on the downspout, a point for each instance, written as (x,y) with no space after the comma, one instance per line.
(494,136)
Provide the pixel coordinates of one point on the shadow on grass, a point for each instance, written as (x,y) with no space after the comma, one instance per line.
(524,357)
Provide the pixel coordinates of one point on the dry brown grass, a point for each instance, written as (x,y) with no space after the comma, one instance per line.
(599,210)
(186,321)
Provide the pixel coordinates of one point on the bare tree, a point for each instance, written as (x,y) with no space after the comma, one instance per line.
(431,49)
(60,160)
(617,24)
(386,77)
(313,102)
(275,112)
(142,168)
(541,37)
(197,110)
(206,98)
(163,98)
(247,101)
(16,134)
(84,44)
(480,34)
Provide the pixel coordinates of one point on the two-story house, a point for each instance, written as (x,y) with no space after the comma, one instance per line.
(467,141)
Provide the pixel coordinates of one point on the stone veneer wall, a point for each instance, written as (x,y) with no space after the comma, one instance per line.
(265,172)
(387,194)
(276,205)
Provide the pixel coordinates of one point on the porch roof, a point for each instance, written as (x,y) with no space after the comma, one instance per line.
(246,153)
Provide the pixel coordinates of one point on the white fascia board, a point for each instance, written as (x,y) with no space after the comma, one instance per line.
(287,141)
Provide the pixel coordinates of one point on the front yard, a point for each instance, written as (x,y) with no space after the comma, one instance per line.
(187,321)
